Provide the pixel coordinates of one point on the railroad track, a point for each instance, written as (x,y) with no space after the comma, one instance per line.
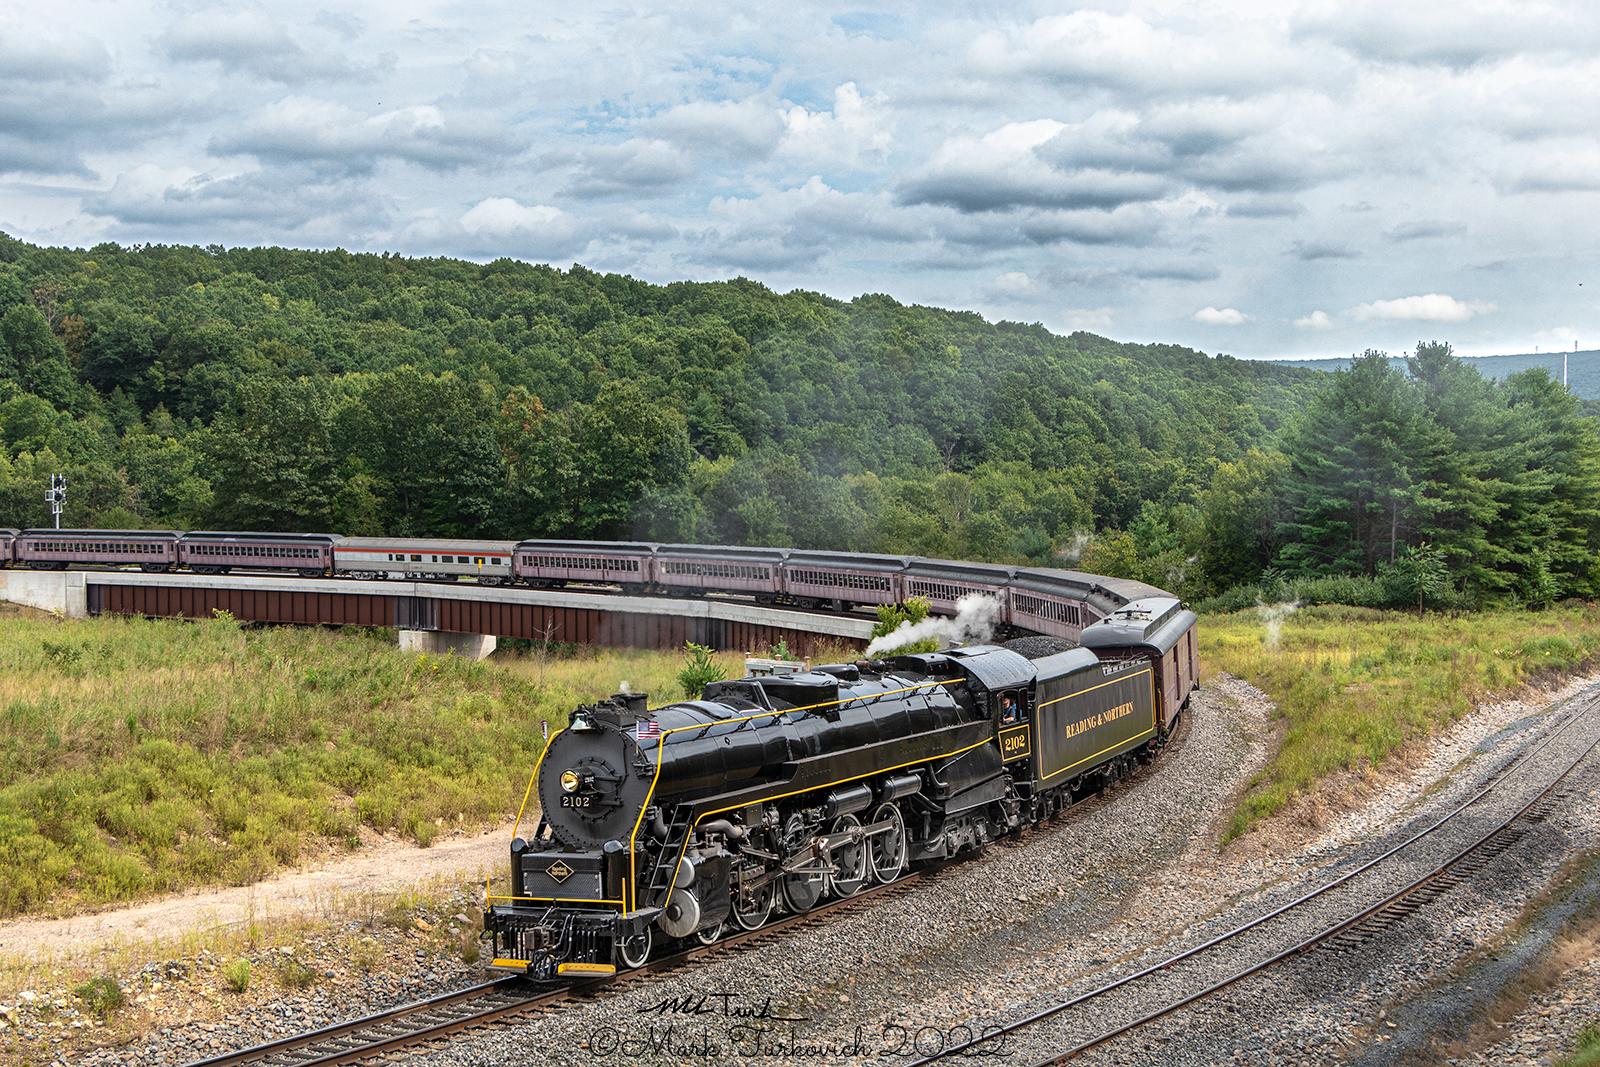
(1358,906)
(425,1021)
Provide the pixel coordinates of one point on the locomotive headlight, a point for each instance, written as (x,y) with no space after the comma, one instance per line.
(570,781)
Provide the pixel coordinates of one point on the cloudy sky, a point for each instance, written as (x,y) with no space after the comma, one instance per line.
(1263,179)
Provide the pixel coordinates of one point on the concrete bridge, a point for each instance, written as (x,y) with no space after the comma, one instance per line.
(437,616)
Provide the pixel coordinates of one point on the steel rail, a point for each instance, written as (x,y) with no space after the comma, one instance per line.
(1497,779)
(299,1050)
(283,1050)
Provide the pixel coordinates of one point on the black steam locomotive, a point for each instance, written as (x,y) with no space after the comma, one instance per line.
(777,791)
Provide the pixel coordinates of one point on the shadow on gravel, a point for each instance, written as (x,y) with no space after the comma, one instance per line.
(1449,1014)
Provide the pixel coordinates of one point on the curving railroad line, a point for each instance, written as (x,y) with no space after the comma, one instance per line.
(1535,781)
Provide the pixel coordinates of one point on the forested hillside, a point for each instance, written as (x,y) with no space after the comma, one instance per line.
(291,390)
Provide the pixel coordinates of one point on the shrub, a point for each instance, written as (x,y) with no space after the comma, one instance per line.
(367,954)
(292,974)
(700,668)
(102,995)
(892,616)
(237,973)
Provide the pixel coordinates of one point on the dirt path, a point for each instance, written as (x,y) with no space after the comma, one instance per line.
(384,865)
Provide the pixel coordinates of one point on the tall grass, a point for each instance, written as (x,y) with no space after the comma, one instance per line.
(1354,685)
(139,755)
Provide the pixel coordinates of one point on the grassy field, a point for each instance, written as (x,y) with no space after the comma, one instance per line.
(1353,685)
(139,756)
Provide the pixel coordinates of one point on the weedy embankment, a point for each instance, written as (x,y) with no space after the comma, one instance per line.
(1354,686)
(140,756)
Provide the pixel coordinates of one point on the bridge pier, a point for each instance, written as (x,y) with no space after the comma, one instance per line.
(442,642)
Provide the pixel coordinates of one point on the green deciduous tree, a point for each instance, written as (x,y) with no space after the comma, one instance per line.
(270,458)
(32,356)
(1242,512)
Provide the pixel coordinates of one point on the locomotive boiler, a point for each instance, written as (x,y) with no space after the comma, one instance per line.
(773,793)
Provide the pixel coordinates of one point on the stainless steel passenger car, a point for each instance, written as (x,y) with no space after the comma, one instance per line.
(424,559)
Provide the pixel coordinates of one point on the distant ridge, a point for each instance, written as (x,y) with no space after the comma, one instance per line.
(1583,368)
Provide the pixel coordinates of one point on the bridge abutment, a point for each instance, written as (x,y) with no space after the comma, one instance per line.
(63,591)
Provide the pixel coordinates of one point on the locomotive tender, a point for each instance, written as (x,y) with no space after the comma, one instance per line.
(777,791)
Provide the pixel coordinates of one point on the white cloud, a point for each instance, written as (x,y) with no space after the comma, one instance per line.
(1317,320)
(1432,307)
(1090,319)
(746,128)
(858,131)
(497,216)
(1210,316)
(196,204)
(1016,284)
(1099,49)
(644,167)
(1426,228)
(799,226)
(301,128)
(1002,171)
(502,226)
(252,41)
(1474,32)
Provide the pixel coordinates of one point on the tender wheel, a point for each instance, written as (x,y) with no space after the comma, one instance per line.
(753,912)
(851,877)
(633,951)
(888,850)
(709,935)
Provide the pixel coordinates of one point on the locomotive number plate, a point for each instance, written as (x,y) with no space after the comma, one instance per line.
(1015,743)
(570,801)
